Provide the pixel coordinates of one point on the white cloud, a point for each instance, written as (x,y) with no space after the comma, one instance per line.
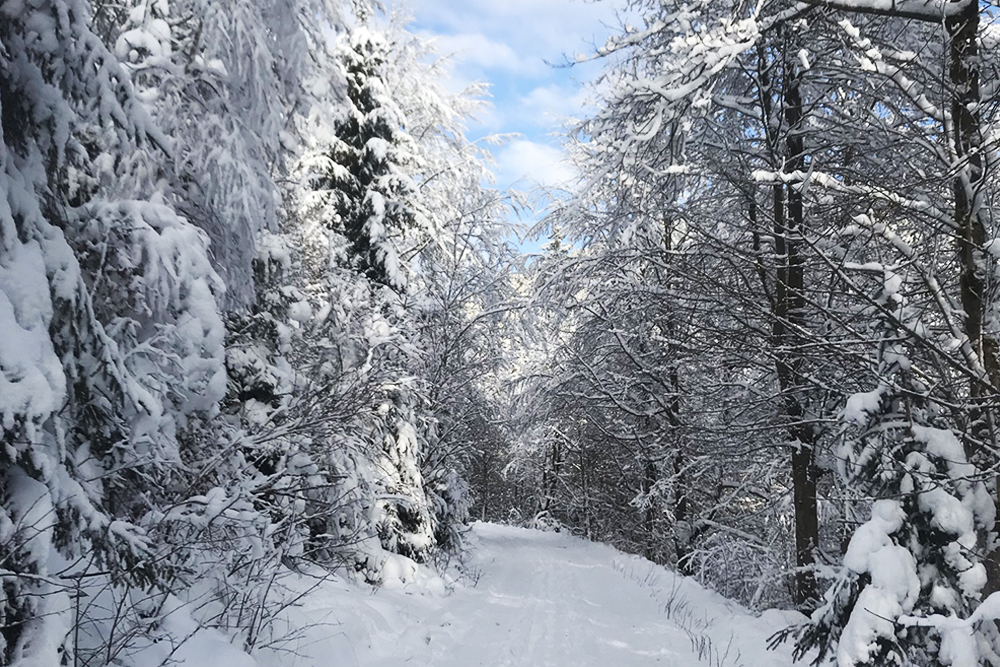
(481,52)
(529,163)
(550,28)
(544,108)
(552,104)
(511,44)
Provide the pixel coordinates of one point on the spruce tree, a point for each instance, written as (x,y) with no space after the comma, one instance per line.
(372,162)
(918,558)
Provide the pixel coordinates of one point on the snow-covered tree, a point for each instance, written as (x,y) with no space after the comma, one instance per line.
(342,368)
(769,138)
(373,164)
(203,379)
(230,83)
(919,555)
(112,342)
(664,199)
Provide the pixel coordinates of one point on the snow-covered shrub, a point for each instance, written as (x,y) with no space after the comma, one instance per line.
(919,554)
(405,525)
(742,568)
(451,500)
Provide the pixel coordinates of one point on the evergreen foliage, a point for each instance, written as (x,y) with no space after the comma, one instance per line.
(372,165)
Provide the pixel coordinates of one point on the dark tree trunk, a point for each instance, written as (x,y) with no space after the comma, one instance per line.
(789,320)
(971,237)
(649,516)
(683,528)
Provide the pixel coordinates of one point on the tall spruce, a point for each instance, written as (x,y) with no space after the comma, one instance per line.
(372,164)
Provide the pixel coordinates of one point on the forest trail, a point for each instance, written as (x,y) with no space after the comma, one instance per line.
(548,599)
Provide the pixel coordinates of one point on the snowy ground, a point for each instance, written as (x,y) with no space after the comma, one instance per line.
(541,599)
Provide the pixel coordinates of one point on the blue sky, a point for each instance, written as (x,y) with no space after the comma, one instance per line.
(508,44)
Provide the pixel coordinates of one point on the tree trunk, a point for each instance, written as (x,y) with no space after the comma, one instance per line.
(649,515)
(683,529)
(971,237)
(788,323)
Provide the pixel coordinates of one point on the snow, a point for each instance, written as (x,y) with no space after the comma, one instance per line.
(804,58)
(862,405)
(894,583)
(527,598)
(922,10)
(31,377)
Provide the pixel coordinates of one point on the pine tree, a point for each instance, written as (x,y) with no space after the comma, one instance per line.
(918,556)
(372,163)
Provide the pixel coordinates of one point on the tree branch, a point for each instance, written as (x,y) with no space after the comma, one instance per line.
(931,11)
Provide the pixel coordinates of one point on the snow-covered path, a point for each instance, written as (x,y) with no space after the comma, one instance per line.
(543,599)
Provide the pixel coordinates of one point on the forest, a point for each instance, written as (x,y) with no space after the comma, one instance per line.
(263,312)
